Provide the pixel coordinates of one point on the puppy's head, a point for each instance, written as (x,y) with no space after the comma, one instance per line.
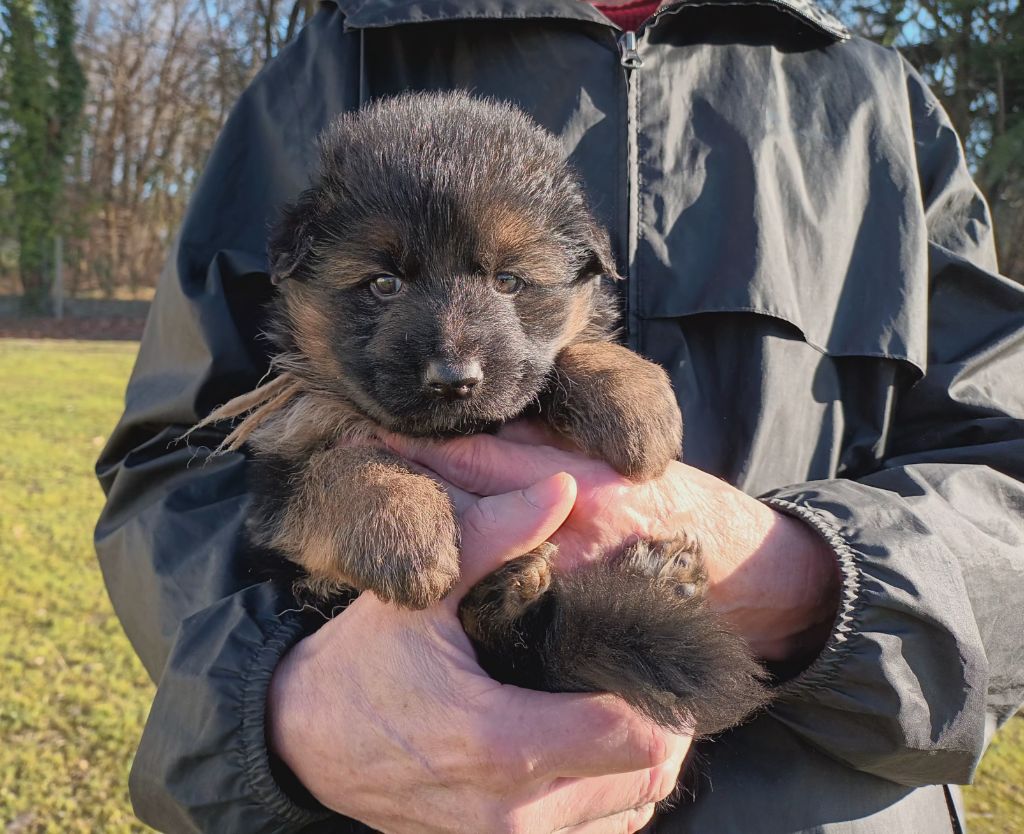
(439,262)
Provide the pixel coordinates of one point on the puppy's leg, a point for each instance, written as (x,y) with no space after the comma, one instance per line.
(616,406)
(639,626)
(636,626)
(503,614)
(360,518)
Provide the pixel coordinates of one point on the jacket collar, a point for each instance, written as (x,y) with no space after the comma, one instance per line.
(363,14)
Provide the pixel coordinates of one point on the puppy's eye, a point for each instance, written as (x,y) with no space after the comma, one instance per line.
(508,284)
(386,286)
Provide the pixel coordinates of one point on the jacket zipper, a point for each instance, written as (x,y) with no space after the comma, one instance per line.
(630,59)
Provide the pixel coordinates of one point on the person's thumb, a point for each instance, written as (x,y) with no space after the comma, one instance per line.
(501,527)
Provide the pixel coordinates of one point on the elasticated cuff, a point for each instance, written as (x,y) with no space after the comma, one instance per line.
(899,690)
(825,667)
(203,762)
(284,799)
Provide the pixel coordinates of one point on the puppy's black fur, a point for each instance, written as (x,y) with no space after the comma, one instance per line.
(443,275)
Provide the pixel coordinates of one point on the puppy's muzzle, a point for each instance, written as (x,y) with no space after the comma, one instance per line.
(452,380)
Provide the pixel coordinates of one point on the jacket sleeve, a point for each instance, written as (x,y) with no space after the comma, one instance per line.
(169,539)
(927,655)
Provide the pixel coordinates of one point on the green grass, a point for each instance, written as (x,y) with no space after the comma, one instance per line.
(73,697)
(995,803)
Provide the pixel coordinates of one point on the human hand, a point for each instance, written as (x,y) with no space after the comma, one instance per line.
(385,716)
(769,575)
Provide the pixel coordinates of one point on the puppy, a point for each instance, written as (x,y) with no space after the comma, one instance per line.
(441,276)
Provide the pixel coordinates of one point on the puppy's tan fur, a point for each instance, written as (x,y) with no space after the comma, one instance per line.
(614,406)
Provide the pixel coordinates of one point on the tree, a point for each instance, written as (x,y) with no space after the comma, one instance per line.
(972,54)
(42,94)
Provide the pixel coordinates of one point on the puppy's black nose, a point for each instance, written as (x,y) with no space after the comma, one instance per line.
(454,380)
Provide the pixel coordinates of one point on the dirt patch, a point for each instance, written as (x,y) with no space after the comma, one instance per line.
(115,328)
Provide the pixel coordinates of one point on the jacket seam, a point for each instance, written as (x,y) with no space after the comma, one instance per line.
(255,756)
(762,311)
(826,667)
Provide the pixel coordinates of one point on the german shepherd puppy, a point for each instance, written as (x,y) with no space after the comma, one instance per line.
(441,276)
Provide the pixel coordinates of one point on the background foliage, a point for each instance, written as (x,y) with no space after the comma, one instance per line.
(972,54)
(110,167)
(42,90)
(112,172)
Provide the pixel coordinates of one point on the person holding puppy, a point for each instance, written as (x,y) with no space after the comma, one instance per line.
(806,256)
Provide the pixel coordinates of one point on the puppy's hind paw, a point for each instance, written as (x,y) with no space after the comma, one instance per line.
(492,609)
(674,562)
(506,616)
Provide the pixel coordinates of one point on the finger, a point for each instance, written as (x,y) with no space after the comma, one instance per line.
(580,735)
(580,801)
(533,433)
(484,464)
(628,821)
(501,527)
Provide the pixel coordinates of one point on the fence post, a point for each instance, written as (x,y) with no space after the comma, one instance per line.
(58,277)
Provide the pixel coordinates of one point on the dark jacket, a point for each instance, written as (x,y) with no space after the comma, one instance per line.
(807,257)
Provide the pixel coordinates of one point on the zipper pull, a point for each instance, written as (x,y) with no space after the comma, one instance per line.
(629,57)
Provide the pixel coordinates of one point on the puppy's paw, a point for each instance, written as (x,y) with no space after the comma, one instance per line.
(382,528)
(616,406)
(676,562)
(646,429)
(418,577)
(492,609)
(406,549)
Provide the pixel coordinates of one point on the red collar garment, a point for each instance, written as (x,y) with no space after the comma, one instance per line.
(629,16)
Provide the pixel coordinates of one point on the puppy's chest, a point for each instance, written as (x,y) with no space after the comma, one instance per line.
(310,420)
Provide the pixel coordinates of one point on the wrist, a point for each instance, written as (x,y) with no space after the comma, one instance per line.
(782,594)
(813,582)
(288,707)
(314,725)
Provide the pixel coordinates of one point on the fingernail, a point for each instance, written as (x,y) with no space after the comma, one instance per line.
(547,492)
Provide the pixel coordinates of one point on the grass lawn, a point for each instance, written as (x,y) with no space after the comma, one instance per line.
(73,698)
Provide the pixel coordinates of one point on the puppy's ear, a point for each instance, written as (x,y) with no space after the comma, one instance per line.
(291,242)
(597,254)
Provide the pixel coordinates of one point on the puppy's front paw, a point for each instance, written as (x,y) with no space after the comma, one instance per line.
(385,529)
(406,549)
(646,434)
(616,406)
(414,577)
